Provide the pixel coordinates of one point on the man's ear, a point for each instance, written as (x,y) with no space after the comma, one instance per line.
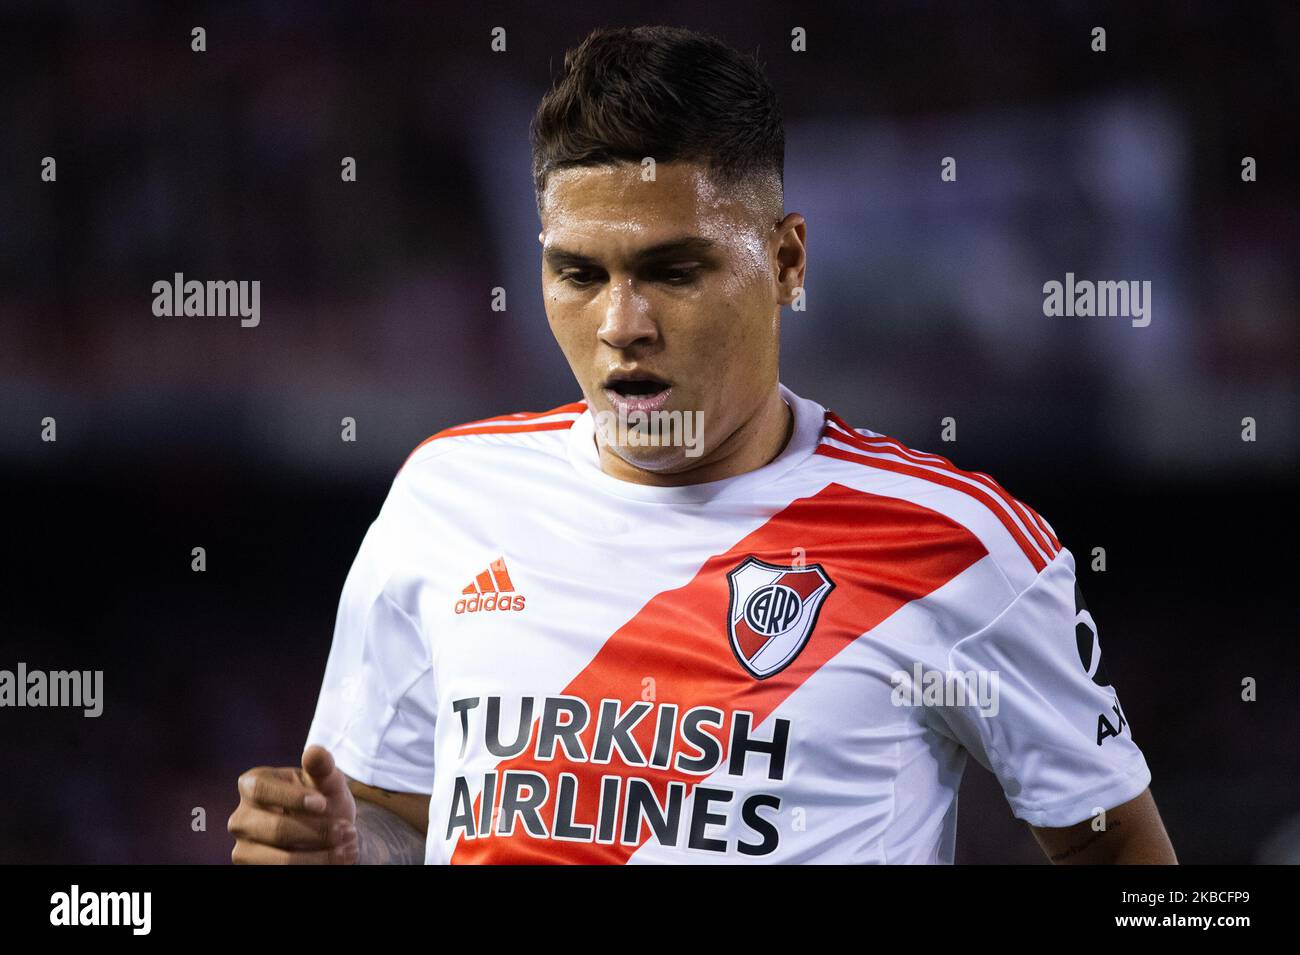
(791,256)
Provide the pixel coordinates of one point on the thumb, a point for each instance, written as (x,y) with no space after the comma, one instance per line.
(321,772)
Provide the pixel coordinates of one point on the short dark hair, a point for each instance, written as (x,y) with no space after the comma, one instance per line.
(664,92)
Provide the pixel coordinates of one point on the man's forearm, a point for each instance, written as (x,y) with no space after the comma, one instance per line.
(385,838)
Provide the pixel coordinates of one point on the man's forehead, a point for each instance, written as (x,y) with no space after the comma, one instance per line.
(680,181)
(615,203)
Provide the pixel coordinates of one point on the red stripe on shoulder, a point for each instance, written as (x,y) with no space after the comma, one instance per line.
(1036,525)
(573,407)
(907,461)
(517,423)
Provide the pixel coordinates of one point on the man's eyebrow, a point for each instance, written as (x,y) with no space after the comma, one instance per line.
(558,256)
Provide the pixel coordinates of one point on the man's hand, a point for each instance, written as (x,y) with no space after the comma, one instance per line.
(295,816)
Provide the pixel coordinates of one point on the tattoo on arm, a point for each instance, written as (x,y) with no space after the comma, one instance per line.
(385,838)
(1076,848)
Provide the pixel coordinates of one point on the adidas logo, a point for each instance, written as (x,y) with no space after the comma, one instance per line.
(491,590)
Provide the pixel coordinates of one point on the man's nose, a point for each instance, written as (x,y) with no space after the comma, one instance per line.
(627,319)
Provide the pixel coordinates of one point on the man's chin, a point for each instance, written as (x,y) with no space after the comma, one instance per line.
(664,460)
(663,443)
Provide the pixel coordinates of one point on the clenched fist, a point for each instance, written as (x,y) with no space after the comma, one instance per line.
(292,816)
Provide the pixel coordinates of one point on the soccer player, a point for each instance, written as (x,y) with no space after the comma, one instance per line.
(693,617)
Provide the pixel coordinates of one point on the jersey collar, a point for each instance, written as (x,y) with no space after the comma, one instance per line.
(809,421)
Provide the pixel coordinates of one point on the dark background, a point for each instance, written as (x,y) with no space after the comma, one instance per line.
(925,301)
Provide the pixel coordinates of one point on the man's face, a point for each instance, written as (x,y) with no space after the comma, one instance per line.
(665,296)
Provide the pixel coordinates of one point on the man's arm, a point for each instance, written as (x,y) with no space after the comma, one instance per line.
(1134,835)
(391,826)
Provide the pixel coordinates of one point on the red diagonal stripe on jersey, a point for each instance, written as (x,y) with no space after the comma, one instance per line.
(881,552)
(485,585)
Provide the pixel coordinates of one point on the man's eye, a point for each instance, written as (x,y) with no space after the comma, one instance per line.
(679,276)
(579,277)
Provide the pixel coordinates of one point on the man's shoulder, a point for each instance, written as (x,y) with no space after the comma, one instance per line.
(498,435)
(1020,542)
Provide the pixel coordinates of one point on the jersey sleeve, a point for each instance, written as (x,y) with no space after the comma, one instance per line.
(1056,738)
(377,703)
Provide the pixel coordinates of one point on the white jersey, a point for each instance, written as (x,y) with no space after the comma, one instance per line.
(789,665)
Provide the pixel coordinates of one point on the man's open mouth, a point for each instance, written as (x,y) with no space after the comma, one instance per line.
(639,387)
(637,391)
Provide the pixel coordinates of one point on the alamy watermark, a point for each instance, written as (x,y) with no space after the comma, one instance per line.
(946,688)
(653,429)
(213,298)
(1086,298)
(38,688)
(130,909)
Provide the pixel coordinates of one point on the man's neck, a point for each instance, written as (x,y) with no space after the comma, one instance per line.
(755,443)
